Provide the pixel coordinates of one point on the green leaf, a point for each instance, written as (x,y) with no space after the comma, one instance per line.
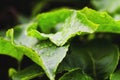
(11,72)
(33,32)
(21,37)
(47,55)
(107,5)
(97,58)
(111,28)
(75,75)
(115,76)
(106,22)
(51,56)
(72,25)
(10,35)
(16,38)
(28,73)
(105,57)
(47,21)
(97,17)
(7,48)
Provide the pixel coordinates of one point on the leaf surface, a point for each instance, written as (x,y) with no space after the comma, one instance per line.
(51,56)
(115,76)
(75,75)
(14,39)
(48,21)
(47,55)
(98,61)
(28,73)
(72,25)
(7,48)
(104,20)
(21,37)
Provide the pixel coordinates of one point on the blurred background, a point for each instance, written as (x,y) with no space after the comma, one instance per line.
(11,11)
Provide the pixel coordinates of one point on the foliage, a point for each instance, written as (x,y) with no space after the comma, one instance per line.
(65,41)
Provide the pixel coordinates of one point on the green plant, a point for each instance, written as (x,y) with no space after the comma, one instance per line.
(75,43)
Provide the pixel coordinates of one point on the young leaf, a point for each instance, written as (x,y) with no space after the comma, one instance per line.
(75,75)
(18,36)
(73,25)
(111,28)
(10,35)
(48,21)
(7,48)
(115,76)
(51,57)
(47,55)
(32,31)
(21,38)
(97,17)
(11,72)
(106,23)
(27,73)
(99,61)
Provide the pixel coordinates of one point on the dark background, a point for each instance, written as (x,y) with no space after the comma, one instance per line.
(10,9)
